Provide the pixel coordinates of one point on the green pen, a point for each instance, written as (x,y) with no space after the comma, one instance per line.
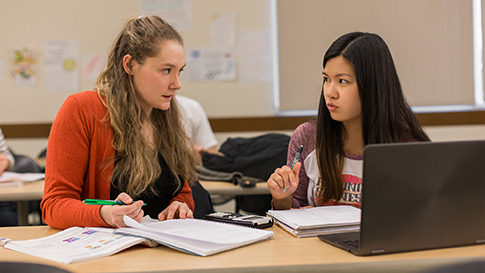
(297,157)
(106,202)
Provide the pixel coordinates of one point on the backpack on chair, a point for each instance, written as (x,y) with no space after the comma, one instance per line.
(255,157)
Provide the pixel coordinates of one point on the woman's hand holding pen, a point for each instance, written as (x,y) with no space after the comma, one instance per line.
(113,214)
(284,181)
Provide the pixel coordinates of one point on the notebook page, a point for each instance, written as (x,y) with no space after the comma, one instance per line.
(318,216)
(26,177)
(76,244)
(196,229)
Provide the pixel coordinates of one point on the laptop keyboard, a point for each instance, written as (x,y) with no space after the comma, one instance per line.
(353,243)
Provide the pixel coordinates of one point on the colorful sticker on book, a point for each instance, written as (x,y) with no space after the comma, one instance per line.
(70,240)
(89,232)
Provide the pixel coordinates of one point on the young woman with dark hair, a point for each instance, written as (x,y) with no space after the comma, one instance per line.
(361,103)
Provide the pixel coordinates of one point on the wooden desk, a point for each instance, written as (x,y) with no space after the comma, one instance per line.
(22,195)
(284,253)
(34,190)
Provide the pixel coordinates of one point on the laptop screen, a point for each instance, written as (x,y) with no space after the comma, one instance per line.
(422,196)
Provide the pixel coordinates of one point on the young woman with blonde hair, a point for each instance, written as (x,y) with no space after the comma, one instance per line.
(124,141)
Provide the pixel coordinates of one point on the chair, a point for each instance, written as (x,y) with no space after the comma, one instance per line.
(255,157)
(25,164)
(202,199)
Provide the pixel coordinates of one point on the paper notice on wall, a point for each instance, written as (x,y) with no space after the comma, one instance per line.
(254,56)
(210,64)
(92,66)
(24,72)
(177,13)
(223,29)
(61,65)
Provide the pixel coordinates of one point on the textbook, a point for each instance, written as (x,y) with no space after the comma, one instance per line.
(12,179)
(77,244)
(307,222)
(195,236)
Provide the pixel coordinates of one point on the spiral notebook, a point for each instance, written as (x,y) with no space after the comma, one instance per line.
(315,221)
(195,236)
(419,196)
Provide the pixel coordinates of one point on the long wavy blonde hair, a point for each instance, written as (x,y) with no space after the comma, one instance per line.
(137,166)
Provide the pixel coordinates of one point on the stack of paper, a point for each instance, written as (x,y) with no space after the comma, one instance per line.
(9,179)
(317,220)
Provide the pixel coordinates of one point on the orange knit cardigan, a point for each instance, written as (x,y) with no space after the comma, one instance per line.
(78,164)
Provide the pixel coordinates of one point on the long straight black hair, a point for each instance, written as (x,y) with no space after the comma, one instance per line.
(386,116)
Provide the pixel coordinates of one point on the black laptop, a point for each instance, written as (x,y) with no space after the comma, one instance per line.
(419,196)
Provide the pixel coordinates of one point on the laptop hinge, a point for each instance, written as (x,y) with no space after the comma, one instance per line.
(480,241)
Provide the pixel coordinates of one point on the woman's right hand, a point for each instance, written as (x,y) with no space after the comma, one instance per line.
(113,215)
(284,178)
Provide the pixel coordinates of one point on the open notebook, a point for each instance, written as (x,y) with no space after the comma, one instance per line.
(194,236)
(419,196)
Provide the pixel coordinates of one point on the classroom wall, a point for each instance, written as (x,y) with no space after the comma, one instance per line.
(94,24)
(431,42)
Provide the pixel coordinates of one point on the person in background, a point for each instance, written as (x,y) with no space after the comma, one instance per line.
(361,103)
(197,125)
(7,161)
(124,141)
(8,210)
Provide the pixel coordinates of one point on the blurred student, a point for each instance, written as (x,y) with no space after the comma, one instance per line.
(7,161)
(8,210)
(197,125)
(361,103)
(125,141)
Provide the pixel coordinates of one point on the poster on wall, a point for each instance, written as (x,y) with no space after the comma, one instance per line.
(93,65)
(223,29)
(61,65)
(210,64)
(23,70)
(177,13)
(254,56)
